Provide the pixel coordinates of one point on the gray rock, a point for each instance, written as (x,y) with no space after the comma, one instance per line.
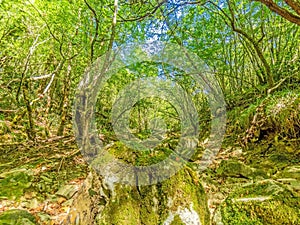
(67,191)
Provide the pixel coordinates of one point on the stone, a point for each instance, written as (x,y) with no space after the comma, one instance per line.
(183,216)
(67,191)
(292,184)
(289,172)
(234,168)
(85,205)
(14,183)
(44,217)
(182,196)
(265,202)
(180,199)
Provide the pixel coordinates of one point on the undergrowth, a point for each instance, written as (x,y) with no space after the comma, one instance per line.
(273,118)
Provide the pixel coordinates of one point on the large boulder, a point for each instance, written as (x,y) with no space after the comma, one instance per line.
(178,200)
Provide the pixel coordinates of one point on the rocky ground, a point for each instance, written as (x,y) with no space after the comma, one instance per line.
(41,184)
(40,180)
(245,187)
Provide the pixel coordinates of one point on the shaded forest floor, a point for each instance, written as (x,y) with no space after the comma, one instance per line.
(43,179)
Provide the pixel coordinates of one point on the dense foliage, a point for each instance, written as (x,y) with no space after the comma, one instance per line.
(46,46)
(252,50)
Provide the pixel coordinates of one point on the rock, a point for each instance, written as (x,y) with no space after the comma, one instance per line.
(86,202)
(68,203)
(30,204)
(183,216)
(180,199)
(237,152)
(292,184)
(67,191)
(14,171)
(14,183)
(289,172)
(33,203)
(265,202)
(290,177)
(17,217)
(217,217)
(44,217)
(234,168)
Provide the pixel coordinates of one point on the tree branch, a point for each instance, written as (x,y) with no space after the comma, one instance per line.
(294,5)
(283,12)
(143,16)
(96,29)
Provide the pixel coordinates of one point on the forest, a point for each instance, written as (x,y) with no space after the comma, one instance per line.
(147,112)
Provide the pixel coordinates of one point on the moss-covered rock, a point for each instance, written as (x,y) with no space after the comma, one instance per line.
(177,221)
(184,193)
(180,198)
(17,217)
(234,168)
(14,183)
(289,172)
(262,203)
(124,207)
(290,177)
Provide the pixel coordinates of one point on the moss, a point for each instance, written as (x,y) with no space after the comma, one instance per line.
(151,205)
(123,209)
(14,184)
(234,168)
(139,157)
(124,212)
(150,200)
(177,221)
(184,189)
(290,172)
(262,203)
(17,217)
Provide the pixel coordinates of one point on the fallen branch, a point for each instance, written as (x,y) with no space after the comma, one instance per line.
(278,84)
(7,110)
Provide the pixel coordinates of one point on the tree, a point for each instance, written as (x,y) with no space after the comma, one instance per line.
(293,17)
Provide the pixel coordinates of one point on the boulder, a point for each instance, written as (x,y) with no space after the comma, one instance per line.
(180,199)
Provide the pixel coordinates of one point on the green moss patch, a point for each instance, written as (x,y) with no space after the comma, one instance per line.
(152,205)
(17,217)
(261,203)
(14,183)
